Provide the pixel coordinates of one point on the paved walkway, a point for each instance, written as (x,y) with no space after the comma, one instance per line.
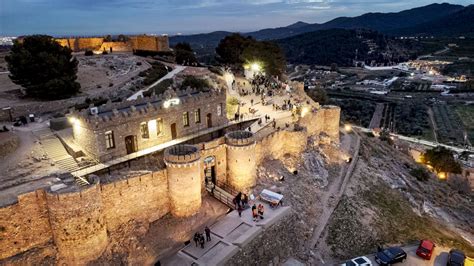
(228,236)
(170,74)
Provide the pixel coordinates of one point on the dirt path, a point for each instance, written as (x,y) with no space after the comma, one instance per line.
(433,123)
(330,199)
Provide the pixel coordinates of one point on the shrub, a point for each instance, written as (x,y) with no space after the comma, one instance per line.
(88,53)
(420,174)
(195,83)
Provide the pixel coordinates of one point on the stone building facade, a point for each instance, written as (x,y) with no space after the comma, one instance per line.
(128,127)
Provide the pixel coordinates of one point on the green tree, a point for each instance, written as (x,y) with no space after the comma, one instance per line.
(108,38)
(122,38)
(44,68)
(268,54)
(231,47)
(319,95)
(442,160)
(185,54)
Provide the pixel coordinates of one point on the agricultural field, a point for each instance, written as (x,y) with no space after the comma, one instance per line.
(411,119)
(450,127)
(466,114)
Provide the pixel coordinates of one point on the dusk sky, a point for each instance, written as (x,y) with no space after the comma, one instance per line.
(91,17)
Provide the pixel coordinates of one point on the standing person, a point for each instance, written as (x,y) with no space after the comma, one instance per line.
(238,200)
(260,210)
(251,102)
(201,240)
(196,238)
(254,213)
(239,210)
(208,233)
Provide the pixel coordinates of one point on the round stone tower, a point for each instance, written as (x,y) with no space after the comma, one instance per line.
(183,166)
(241,164)
(77,222)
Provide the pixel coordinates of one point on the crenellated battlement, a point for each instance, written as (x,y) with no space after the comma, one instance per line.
(182,156)
(144,106)
(239,139)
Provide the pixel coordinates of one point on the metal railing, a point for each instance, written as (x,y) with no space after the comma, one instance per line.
(221,195)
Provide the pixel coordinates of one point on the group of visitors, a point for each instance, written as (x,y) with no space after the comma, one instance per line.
(199,237)
(257,212)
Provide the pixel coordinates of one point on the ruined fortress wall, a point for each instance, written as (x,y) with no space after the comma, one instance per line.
(24,225)
(89,43)
(282,142)
(78,224)
(143,197)
(116,47)
(150,43)
(324,120)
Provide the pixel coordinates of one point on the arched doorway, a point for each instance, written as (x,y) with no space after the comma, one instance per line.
(131,144)
(209,120)
(210,170)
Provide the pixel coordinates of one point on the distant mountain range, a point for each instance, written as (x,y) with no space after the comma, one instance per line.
(435,19)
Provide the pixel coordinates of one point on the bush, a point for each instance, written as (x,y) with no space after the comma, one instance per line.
(104,52)
(88,53)
(156,72)
(420,174)
(195,83)
(160,88)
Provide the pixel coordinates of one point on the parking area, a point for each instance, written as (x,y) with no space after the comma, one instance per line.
(439,257)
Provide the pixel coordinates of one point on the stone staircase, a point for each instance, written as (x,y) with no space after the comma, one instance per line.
(55,150)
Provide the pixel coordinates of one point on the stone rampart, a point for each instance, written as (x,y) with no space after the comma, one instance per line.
(183,166)
(279,143)
(78,224)
(24,224)
(142,196)
(241,164)
(323,120)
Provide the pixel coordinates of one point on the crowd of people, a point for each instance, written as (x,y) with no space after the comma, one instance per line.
(199,237)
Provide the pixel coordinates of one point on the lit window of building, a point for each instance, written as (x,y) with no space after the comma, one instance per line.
(159,126)
(109,140)
(197,115)
(219,109)
(185,119)
(144,130)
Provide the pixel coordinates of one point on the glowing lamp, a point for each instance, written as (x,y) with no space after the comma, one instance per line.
(72,120)
(442,175)
(347,127)
(255,67)
(304,111)
(171,102)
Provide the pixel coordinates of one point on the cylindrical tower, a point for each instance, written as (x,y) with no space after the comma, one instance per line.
(241,164)
(77,222)
(184,179)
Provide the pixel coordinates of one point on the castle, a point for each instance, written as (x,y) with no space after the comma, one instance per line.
(76,218)
(134,43)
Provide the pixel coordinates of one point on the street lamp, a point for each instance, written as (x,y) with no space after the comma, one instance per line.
(255,67)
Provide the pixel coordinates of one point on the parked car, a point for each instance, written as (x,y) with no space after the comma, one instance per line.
(425,249)
(390,256)
(456,258)
(359,261)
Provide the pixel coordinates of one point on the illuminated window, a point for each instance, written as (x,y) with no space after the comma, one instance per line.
(197,116)
(159,126)
(109,140)
(185,119)
(219,109)
(144,130)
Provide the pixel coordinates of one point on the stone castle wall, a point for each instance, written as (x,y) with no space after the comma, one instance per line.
(323,120)
(279,143)
(140,42)
(141,197)
(183,165)
(24,224)
(78,224)
(241,164)
(217,150)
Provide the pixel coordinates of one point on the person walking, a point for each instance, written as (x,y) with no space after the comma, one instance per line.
(260,210)
(196,238)
(208,233)
(239,210)
(201,240)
